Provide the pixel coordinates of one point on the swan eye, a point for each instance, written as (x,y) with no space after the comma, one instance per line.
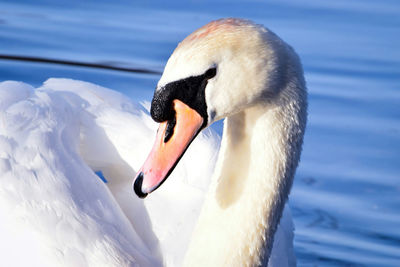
(210,73)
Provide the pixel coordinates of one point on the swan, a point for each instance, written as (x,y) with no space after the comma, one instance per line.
(243,72)
(56,212)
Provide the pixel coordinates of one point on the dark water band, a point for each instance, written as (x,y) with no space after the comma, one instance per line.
(77,63)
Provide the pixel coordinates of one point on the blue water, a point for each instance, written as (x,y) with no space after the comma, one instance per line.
(346,195)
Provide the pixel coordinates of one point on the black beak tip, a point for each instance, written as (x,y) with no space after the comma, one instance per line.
(137,186)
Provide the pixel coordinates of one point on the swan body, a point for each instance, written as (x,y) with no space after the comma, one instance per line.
(58,212)
(54,210)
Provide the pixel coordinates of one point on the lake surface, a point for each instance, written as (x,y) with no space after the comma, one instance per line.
(346,196)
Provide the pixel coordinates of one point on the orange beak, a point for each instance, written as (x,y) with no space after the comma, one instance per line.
(171,143)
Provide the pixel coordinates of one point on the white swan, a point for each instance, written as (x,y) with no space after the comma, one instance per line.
(56,212)
(235,69)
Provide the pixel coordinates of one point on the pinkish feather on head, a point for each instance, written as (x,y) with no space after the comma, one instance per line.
(213,27)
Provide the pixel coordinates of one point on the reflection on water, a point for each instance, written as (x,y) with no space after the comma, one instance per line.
(346,195)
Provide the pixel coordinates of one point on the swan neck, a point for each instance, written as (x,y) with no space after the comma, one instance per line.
(259,154)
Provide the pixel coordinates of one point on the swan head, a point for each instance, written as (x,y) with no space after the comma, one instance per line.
(220,69)
(234,61)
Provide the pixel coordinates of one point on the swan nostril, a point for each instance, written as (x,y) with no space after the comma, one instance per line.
(137,186)
(170,129)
